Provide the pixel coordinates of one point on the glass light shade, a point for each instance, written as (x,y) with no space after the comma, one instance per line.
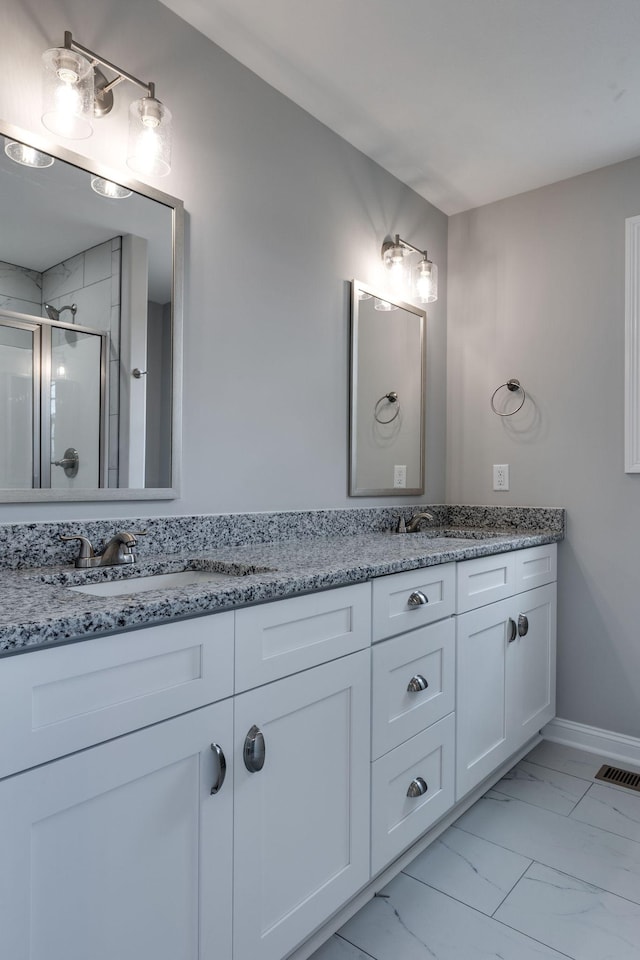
(425,281)
(384,305)
(109,189)
(67,93)
(149,147)
(27,156)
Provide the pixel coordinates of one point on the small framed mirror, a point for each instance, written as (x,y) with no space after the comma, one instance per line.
(387,409)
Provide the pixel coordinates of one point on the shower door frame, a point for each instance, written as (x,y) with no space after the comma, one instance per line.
(41,328)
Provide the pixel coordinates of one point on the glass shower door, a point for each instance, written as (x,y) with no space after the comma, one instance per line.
(76,400)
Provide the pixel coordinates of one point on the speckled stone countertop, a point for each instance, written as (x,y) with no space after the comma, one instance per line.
(39,609)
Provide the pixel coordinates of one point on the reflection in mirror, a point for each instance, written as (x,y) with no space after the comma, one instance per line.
(90,323)
(387,395)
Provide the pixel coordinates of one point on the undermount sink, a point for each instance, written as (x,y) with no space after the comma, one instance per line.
(163,581)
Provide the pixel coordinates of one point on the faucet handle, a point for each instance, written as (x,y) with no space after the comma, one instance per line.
(86,549)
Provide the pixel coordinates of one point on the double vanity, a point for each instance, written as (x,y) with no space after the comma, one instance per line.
(252,739)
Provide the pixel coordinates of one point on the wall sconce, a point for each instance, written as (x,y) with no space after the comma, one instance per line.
(76,91)
(424,274)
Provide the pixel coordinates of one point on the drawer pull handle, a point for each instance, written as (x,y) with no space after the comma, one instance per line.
(523,625)
(417,787)
(222,767)
(417,683)
(254,750)
(512,630)
(417,599)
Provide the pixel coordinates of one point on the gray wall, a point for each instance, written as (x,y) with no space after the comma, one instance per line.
(536,291)
(281,214)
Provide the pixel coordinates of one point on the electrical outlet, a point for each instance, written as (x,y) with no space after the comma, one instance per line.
(400,475)
(501,476)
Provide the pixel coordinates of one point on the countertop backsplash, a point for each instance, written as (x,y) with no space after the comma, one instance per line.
(27,545)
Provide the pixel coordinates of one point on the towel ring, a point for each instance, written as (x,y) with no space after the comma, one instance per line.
(512,386)
(392,397)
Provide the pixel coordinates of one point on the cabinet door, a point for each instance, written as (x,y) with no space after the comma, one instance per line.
(100,850)
(481,693)
(301,824)
(505,689)
(531,665)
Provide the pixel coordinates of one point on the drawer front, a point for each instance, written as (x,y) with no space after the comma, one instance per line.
(485,580)
(276,639)
(536,566)
(397,820)
(61,700)
(404,601)
(401,707)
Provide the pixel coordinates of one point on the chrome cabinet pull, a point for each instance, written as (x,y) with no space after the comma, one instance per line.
(523,625)
(417,599)
(417,683)
(254,750)
(417,787)
(512,630)
(222,767)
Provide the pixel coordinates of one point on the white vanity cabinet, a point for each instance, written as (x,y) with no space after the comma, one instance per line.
(113,844)
(413,698)
(506,655)
(344,723)
(121,850)
(301,785)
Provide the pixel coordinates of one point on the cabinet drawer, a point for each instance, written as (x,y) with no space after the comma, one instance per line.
(536,566)
(488,579)
(61,700)
(394,613)
(485,580)
(397,820)
(400,709)
(277,639)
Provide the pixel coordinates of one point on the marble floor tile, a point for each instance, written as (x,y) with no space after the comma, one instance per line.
(566,844)
(338,949)
(543,787)
(415,922)
(470,869)
(615,810)
(571,760)
(575,918)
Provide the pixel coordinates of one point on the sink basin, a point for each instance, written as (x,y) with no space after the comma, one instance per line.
(158,581)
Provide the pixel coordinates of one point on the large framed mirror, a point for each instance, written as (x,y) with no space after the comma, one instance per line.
(387,409)
(91,278)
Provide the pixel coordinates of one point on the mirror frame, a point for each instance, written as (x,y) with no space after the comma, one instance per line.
(46,495)
(354,489)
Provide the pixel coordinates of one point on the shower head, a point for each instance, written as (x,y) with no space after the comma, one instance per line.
(54,313)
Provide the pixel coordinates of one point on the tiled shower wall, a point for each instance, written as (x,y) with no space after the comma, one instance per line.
(91,280)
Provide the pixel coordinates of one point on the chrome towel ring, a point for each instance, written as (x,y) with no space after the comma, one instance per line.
(391,397)
(512,386)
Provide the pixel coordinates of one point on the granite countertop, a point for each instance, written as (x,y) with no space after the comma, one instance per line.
(38,609)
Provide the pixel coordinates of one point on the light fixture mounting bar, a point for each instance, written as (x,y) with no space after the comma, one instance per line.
(410,246)
(72,44)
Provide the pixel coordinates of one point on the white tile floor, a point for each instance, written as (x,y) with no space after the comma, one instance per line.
(546,866)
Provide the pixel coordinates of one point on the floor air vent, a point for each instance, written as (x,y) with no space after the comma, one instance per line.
(622,778)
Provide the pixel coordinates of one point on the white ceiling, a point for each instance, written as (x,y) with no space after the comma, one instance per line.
(467,101)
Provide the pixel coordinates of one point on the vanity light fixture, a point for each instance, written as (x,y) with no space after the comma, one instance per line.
(76,91)
(27,156)
(424,273)
(109,189)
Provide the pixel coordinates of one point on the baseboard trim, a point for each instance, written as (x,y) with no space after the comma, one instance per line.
(607,743)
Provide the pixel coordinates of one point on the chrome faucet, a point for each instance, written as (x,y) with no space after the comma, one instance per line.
(119,550)
(413,525)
